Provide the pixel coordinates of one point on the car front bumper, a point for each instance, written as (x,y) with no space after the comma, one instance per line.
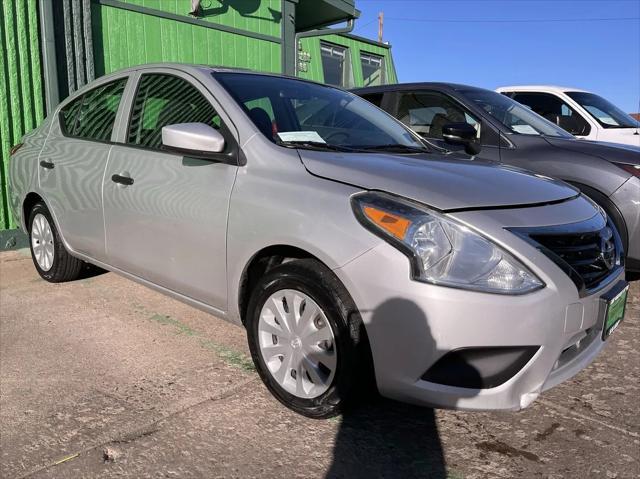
(412,325)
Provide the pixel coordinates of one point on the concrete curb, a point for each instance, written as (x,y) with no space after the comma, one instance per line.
(13,239)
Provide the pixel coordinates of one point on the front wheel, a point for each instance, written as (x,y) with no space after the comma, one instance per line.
(51,259)
(306,338)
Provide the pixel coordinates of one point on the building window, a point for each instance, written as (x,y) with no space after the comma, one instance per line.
(372,69)
(335,64)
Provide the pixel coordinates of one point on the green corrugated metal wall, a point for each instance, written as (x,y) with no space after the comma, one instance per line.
(124,38)
(21,97)
(258,16)
(314,72)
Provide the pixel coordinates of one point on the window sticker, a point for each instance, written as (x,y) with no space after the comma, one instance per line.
(311,136)
(525,129)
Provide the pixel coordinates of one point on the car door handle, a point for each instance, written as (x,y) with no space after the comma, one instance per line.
(123,180)
(47,164)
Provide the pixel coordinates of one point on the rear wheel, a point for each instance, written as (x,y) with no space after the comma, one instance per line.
(51,259)
(306,338)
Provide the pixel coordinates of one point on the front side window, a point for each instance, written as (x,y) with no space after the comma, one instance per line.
(604,112)
(555,110)
(92,116)
(310,115)
(516,117)
(163,100)
(372,69)
(428,112)
(335,64)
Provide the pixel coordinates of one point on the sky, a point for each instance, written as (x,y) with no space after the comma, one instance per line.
(588,44)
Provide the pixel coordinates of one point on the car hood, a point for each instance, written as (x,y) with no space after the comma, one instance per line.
(438,182)
(614,152)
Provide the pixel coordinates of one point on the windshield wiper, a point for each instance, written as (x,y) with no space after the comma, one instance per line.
(313,145)
(393,147)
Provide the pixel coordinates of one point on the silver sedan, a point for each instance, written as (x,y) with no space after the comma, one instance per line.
(352,254)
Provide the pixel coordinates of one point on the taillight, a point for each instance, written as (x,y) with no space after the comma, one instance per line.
(633,169)
(14,149)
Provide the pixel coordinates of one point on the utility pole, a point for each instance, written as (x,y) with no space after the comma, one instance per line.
(380,26)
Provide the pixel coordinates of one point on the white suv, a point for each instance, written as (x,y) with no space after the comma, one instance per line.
(582,113)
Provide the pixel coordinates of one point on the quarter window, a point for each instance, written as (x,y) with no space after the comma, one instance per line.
(372,69)
(93,115)
(428,112)
(335,64)
(163,100)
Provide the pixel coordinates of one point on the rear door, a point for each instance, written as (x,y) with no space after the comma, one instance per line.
(166,213)
(72,164)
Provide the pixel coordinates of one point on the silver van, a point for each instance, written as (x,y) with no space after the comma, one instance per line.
(350,252)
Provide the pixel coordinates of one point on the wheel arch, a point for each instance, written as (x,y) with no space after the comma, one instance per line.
(28,203)
(260,263)
(30,200)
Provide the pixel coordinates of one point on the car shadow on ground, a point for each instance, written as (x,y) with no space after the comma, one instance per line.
(388,439)
(90,271)
(385,438)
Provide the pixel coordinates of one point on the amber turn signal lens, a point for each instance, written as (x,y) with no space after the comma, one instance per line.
(393,224)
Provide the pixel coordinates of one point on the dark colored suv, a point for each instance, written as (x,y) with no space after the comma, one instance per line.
(492,126)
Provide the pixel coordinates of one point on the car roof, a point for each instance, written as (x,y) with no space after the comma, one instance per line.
(201,68)
(412,86)
(534,88)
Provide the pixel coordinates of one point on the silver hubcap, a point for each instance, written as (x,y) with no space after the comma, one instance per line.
(297,343)
(42,242)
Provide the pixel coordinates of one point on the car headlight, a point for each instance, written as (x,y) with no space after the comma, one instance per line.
(443,251)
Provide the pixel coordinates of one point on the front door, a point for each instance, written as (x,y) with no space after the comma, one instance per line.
(165,213)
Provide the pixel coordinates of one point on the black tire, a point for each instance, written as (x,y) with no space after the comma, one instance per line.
(354,371)
(65,267)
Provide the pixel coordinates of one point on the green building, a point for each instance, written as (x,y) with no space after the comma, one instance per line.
(50,48)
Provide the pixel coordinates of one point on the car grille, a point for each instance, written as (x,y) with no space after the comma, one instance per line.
(589,252)
(592,255)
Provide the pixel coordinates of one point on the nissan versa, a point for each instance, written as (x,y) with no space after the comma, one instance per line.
(346,248)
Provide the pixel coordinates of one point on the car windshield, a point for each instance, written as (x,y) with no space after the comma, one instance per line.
(604,112)
(518,118)
(301,114)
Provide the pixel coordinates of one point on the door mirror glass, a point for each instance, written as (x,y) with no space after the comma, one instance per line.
(196,139)
(461,134)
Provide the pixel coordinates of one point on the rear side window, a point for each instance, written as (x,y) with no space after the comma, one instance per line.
(92,116)
(163,100)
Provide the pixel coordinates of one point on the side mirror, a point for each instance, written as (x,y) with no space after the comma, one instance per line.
(461,134)
(194,139)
